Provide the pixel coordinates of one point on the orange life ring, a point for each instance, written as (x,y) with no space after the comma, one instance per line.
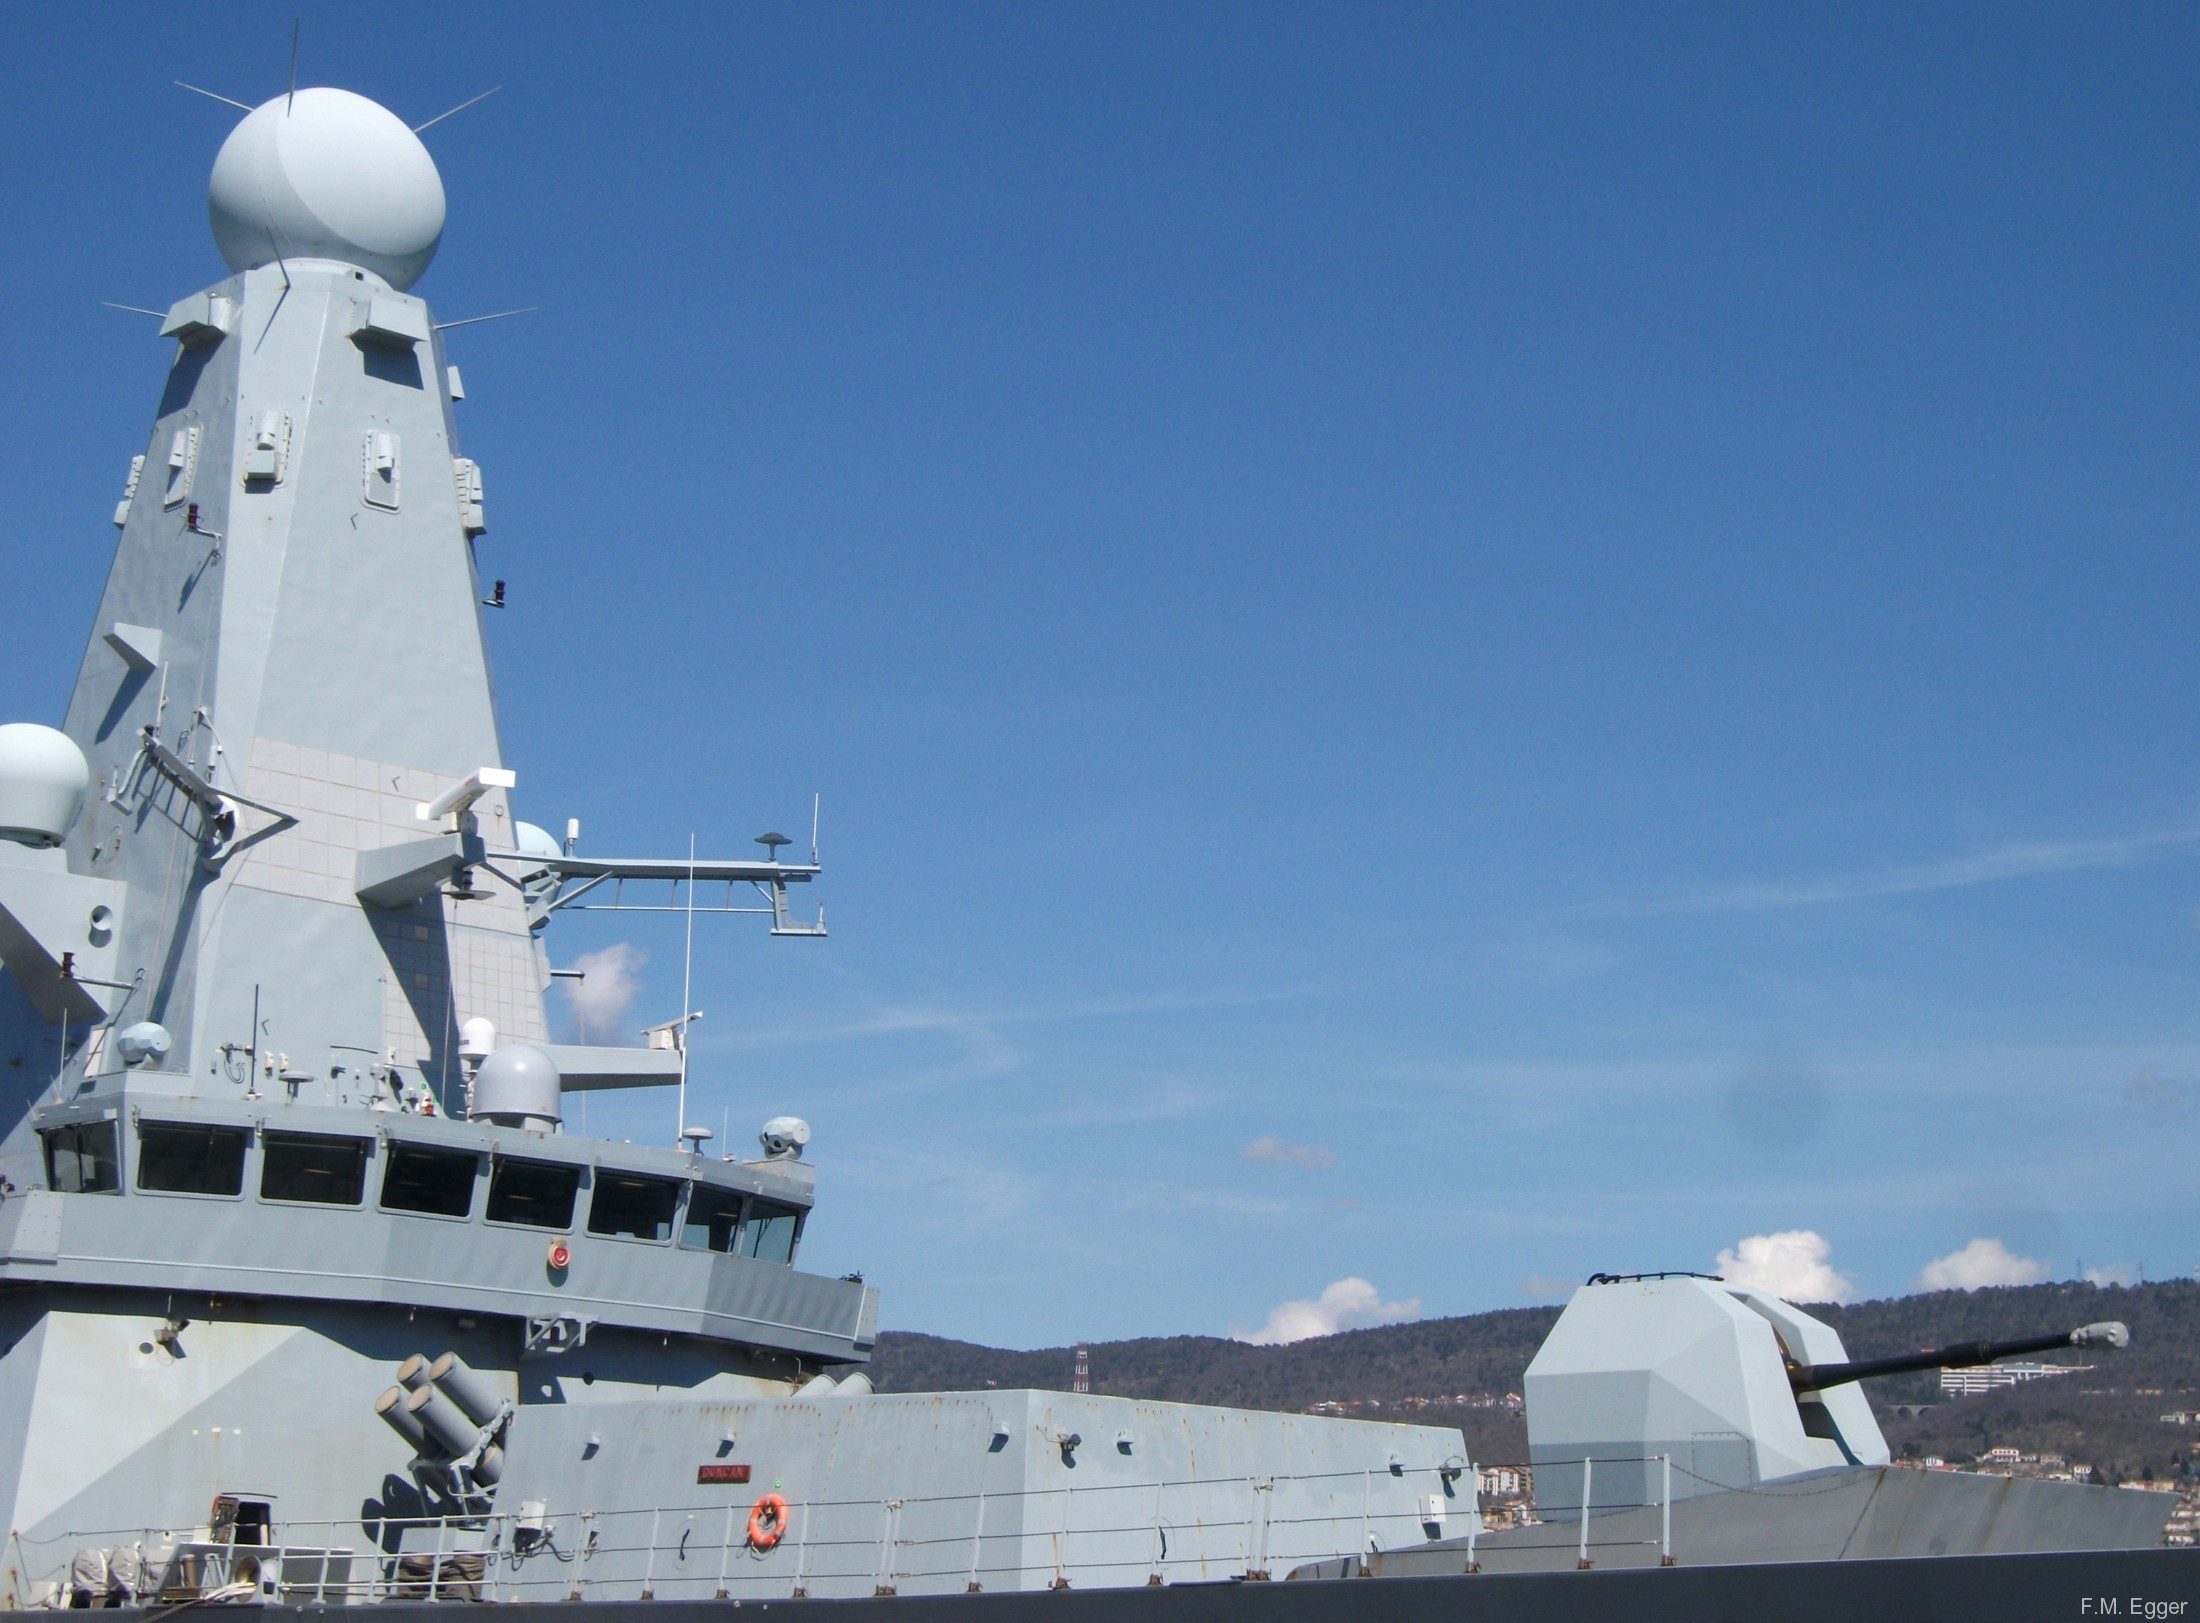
(767,1522)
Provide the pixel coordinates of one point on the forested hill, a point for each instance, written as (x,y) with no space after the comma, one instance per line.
(1484,1353)
(1432,1369)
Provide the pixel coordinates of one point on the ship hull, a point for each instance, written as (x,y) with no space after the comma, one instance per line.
(2159,1584)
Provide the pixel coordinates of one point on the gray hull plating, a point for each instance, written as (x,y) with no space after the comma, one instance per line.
(2155,1586)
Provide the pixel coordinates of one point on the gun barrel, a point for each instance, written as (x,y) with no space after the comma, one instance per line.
(1963,1355)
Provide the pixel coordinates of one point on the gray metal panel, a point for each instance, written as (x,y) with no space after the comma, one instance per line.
(30,1226)
(587,1069)
(1851,1514)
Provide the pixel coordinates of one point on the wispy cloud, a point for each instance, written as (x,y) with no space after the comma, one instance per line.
(916,1018)
(1542,1288)
(1276,1153)
(2020,859)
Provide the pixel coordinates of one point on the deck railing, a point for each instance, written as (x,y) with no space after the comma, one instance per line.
(1102,1535)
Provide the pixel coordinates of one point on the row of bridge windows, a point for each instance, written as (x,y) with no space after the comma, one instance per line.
(320,1169)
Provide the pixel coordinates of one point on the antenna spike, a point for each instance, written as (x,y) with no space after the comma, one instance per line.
(468,321)
(293,99)
(817,800)
(460,108)
(135,309)
(229,101)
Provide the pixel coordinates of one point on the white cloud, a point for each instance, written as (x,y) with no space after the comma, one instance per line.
(1979,1264)
(600,1001)
(1345,1305)
(2116,1273)
(1791,1264)
(1273,1150)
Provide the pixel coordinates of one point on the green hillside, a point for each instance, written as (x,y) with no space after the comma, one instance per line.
(1431,1371)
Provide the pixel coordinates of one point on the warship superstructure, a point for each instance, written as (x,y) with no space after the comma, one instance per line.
(294,1248)
(309,1298)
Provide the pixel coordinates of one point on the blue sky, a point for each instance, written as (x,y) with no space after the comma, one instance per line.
(1443,646)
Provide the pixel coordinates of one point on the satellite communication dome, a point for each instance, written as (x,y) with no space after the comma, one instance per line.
(147,1040)
(43,781)
(531,840)
(326,174)
(517,1086)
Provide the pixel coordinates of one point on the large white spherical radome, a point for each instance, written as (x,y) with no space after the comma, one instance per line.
(327,175)
(43,781)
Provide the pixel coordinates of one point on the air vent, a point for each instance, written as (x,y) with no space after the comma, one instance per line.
(378,459)
(183,461)
(129,491)
(468,476)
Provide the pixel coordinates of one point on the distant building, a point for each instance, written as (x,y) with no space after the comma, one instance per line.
(2005,1457)
(1992,1377)
(1080,1378)
(1503,1481)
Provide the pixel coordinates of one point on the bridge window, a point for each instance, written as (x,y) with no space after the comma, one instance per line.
(631,1207)
(438,1182)
(713,1219)
(80,1160)
(769,1234)
(314,1168)
(177,1159)
(538,1194)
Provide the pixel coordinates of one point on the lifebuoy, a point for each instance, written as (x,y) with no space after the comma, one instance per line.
(767,1522)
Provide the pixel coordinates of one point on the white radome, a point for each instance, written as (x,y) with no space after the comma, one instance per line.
(530,840)
(43,782)
(518,1086)
(327,175)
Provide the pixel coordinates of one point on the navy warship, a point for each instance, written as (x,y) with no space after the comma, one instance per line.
(308,1298)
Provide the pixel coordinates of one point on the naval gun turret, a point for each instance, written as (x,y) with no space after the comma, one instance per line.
(1726,1384)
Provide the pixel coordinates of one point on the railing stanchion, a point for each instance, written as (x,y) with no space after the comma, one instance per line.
(649,1559)
(1665,1535)
(887,1541)
(725,1552)
(1588,1470)
(1160,1537)
(977,1546)
(435,1570)
(1061,1539)
(801,1547)
(588,1551)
